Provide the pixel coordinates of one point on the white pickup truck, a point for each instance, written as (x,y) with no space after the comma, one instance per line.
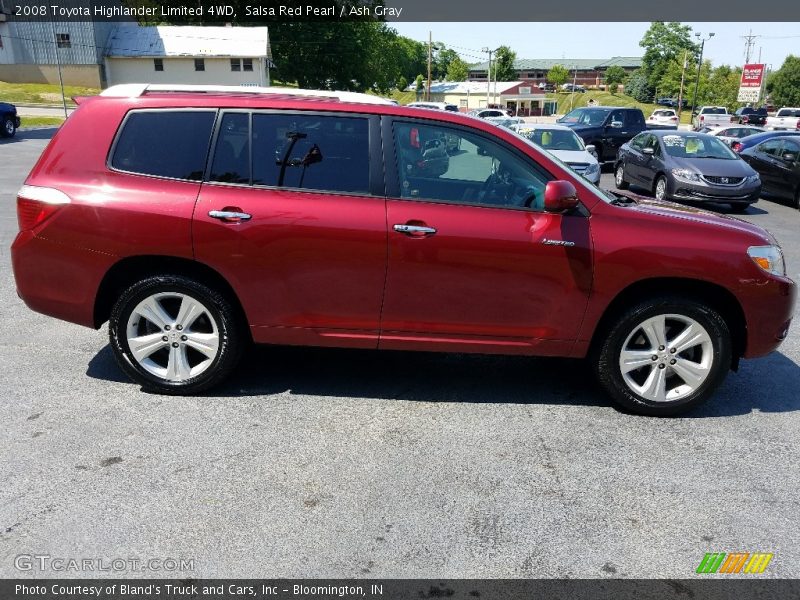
(711,116)
(785,118)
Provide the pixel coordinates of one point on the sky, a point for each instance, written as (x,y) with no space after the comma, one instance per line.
(579,40)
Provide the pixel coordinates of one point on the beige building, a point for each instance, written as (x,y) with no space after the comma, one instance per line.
(522,98)
(186,54)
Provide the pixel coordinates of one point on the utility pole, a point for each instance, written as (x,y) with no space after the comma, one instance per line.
(430,51)
(749,42)
(58,63)
(703,41)
(574,83)
(683,78)
(488,74)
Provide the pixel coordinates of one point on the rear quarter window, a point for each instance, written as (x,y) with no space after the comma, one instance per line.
(164,143)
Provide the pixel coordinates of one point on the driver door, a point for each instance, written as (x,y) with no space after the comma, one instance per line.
(473,261)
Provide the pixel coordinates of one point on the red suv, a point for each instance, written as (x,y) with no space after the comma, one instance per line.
(197,221)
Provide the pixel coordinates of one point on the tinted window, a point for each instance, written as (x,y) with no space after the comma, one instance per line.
(232,153)
(311,152)
(164,143)
(791,148)
(788,112)
(771,147)
(439,163)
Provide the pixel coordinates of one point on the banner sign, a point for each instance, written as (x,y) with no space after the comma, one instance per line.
(750,84)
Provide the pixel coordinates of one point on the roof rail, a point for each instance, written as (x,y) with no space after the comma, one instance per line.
(134,90)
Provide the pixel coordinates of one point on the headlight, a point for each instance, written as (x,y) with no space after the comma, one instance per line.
(592,169)
(686,174)
(769,258)
(752,179)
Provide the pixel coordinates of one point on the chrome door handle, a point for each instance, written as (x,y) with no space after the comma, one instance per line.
(416,230)
(229,215)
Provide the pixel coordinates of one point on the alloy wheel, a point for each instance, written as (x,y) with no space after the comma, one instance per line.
(666,358)
(173,336)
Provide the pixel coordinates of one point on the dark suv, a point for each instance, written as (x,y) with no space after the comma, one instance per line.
(198,220)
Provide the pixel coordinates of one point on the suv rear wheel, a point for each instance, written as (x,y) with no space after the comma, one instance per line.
(664,356)
(174,335)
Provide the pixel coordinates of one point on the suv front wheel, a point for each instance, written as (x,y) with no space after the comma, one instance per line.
(174,335)
(664,356)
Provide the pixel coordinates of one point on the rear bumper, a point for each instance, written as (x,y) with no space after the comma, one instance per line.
(58,280)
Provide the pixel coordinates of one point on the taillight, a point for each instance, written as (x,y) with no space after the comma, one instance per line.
(702,117)
(37,204)
(736,146)
(745,119)
(673,118)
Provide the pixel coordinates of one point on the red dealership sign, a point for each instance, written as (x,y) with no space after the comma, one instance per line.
(752,76)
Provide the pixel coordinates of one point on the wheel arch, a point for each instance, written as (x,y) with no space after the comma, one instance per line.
(716,296)
(135,268)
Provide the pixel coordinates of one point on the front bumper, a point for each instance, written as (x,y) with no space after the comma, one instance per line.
(769,308)
(699,191)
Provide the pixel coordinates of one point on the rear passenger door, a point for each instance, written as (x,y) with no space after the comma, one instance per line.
(292,214)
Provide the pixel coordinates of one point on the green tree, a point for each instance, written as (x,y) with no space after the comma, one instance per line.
(784,84)
(504,64)
(557,75)
(457,70)
(441,61)
(723,86)
(402,84)
(664,42)
(614,76)
(637,87)
(355,56)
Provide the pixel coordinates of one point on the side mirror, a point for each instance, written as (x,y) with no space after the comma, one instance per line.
(789,157)
(591,149)
(616,124)
(560,196)
(648,151)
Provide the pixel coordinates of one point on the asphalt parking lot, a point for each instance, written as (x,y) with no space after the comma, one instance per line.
(333,463)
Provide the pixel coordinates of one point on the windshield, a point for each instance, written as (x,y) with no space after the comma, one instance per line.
(663,113)
(788,112)
(553,139)
(697,146)
(586,116)
(715,111)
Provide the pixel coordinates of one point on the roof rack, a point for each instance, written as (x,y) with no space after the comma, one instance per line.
(134,90)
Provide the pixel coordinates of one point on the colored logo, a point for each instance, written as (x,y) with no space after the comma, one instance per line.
(737,562)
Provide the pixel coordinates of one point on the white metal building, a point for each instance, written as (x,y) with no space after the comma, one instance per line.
(186,54)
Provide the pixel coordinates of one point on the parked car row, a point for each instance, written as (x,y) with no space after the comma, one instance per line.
(340,222)
(672,102)
(698,167)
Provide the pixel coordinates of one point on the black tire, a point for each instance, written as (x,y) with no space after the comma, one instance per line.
(9,129)
(219,313)
(625,328)
(619,177)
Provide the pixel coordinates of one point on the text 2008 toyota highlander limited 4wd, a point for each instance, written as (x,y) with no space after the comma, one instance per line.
(198,220)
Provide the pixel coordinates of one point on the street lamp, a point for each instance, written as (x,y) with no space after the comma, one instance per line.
(703,41)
